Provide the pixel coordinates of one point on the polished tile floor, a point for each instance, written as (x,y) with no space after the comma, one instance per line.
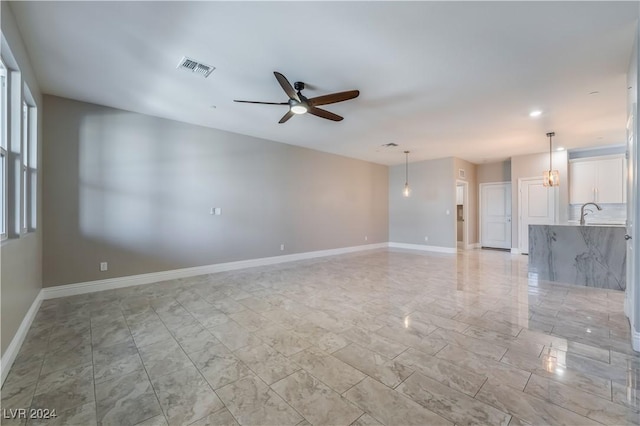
(378,337)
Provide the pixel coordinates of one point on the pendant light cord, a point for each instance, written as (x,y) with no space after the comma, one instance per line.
(406,167)
(551,135)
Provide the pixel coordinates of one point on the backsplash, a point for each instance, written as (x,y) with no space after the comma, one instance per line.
(609,212)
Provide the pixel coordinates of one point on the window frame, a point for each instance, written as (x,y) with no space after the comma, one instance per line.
(4,151)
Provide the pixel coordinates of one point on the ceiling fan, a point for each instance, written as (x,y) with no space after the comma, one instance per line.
(299,104)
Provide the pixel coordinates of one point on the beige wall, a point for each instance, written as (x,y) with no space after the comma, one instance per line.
(136,191)
(20,258)
(494,172)
(533,165)
(471,176)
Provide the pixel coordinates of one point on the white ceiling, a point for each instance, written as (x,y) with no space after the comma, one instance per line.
(439,79)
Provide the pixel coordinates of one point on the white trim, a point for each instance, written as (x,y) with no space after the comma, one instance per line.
(474,246)
(16,343)
(421,247)
(515,250)
(141,279)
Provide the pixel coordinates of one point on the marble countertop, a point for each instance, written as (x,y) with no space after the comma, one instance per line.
(590,255)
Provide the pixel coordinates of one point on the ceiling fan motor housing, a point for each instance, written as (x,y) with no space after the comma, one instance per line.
(298,85)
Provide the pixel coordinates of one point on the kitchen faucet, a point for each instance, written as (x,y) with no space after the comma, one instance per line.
(583,213)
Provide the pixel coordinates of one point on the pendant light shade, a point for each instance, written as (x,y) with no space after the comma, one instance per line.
(551,177)
(406,192)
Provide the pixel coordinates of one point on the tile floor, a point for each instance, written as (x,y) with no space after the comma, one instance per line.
(379,337)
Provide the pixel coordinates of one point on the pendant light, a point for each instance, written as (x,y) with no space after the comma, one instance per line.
(551,177)
(406,192)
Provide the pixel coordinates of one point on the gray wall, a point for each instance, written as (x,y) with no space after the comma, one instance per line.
(20,258)
(471,176)
(494,172)
(424,213)
(136,191)
(533,165)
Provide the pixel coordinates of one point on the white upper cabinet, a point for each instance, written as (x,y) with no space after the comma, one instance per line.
(601,180)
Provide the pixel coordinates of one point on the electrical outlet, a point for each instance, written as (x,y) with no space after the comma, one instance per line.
(104,266)
(217,211)
(426,238)
(281,247)
(366,238)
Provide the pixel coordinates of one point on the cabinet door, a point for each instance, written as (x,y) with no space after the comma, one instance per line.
(582,181)
(610,181)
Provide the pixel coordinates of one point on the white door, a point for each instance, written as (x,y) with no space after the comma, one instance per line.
(632,182)
(537,206)
(495,208)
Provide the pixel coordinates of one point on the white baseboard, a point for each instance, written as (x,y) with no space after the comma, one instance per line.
(421,247)
(141,279)
(474,246)
(515,250)
(10,354)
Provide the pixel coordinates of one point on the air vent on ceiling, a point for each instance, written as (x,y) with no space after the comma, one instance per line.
(191,65)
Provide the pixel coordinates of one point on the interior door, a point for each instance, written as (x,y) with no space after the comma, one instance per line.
(537,206)
(632,182)
(495,207)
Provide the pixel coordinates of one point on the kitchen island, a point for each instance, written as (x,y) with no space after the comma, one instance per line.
(592,255)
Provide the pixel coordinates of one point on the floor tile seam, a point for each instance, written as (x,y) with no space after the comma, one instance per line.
(455,391)
(297,368)
(491,360)
(320,380)
(358,382)
(373,350)
(357,405)
(144,367)
(224,407)
(294,409)
(549,401)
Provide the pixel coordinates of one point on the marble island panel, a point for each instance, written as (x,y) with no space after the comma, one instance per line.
(592,255)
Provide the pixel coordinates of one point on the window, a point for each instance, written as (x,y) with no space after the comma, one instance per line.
(32,167)
(4,159)
(28,165)
(18,152)
(24,155)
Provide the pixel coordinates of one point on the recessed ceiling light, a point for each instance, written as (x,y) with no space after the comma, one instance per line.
(560,148)
(536,113)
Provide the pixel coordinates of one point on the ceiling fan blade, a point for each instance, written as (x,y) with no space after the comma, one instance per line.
(286,117)
(264,103)
(324,114)
(286,86)
(334,97)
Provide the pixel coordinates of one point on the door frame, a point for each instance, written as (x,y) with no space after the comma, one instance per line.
(465,214)
(483,185)
(556,207)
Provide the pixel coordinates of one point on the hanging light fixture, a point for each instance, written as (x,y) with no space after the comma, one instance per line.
(551,177)
(406,192)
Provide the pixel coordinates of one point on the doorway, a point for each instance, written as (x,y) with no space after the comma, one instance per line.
(537,205)
(462,203)
(495,215)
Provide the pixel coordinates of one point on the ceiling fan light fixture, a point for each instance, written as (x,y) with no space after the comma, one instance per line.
(298,109)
